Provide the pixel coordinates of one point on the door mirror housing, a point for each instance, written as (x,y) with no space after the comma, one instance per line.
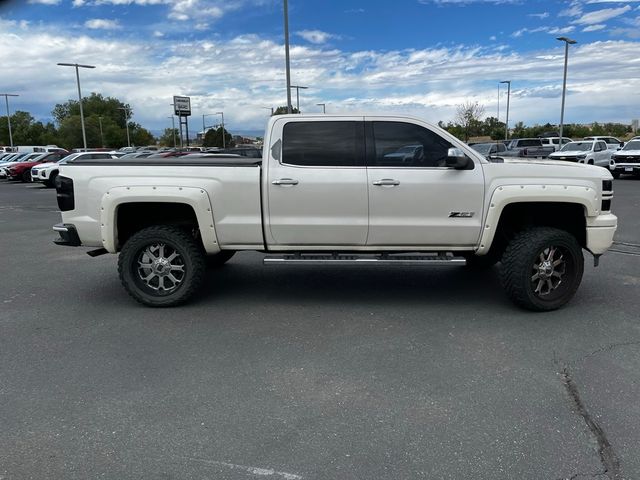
(458,160)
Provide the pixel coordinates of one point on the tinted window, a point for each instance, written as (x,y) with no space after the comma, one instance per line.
(329,144)
(531,142)
(398,144)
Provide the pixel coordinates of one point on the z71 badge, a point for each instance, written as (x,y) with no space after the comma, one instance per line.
(461,214)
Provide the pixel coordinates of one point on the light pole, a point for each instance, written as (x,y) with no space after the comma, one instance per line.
(286,54)
(173,129)
(126,119)
(323,105)
(203,126)
(101,136)
(567,42)
(76,65)
(506,123)
(298,87)
(6,99)
(223,135)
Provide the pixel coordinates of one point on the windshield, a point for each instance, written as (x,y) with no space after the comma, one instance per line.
(483,148)
(69,158)
(632,145)
(577,147)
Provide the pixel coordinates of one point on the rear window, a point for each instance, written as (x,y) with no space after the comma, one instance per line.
(328,144)
(532,142)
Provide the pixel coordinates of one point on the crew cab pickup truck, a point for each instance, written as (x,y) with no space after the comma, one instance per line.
(528,148)
(329,190)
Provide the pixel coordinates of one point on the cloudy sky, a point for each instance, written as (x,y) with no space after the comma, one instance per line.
(420,57)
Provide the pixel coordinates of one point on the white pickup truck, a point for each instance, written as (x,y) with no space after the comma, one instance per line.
(334,190)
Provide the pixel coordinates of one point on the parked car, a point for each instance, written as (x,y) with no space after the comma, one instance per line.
(612,142)
(489,149)
(142,154)
(251,152)
(527,148)
(554,142)
(22,158)
(47,172)
(591,152)
(345,201)
(406,153)
(22,170)
(627,159)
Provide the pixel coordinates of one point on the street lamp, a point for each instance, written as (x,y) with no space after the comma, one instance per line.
(6,99)
(203,127)
(323,105)
(567,42)
(76,65)
(506,128)
(173,129)
(223,135)
(126,118)
(298,87)
(101,136)
(286,54)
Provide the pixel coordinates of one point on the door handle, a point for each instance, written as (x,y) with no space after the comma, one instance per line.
(285,181)
(387,182)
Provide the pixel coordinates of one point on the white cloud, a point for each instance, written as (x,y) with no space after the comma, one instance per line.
(541,16)
(599,16)
(549,30)
(102,24)
(574,10)
(45,2)
(427,82)
(316,36)
(594,28)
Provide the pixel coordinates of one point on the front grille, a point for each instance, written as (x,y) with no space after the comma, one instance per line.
(626,159)
(606,205)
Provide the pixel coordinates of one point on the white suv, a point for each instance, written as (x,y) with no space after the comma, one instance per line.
(612,142)
(591,152)
(47,172)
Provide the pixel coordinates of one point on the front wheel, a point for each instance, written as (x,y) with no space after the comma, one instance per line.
(542,268)
(26,176)
(161,266)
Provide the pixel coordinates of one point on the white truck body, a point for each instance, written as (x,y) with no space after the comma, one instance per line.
(375,205)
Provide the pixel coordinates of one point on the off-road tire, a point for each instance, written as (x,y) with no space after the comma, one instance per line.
(219,259)
(523,253)
(176,238)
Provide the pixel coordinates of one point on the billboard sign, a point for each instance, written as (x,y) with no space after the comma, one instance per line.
(182,106)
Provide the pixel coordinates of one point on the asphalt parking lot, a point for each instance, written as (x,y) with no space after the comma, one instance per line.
(311,373)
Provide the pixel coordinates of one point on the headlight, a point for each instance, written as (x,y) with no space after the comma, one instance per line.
(582,157)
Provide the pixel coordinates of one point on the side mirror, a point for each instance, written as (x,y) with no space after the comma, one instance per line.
(458,160)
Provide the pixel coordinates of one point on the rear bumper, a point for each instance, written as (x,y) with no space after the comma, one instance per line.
(68,235)
(600,232)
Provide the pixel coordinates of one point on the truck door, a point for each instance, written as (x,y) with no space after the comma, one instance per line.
(414,199)
(316,183)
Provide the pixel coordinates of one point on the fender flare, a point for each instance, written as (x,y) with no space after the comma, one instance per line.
(196,198)
(505,195)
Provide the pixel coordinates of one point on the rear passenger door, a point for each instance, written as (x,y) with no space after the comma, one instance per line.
(316,183)
(415,200)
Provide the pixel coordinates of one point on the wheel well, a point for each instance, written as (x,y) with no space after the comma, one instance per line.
(517,217)
(133,217)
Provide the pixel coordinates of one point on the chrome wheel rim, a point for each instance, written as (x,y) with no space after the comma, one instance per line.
(549,269)
(161,268)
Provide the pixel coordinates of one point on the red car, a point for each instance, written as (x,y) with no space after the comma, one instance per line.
(22,170)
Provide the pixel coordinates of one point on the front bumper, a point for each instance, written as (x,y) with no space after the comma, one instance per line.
(68,235)
(600,232)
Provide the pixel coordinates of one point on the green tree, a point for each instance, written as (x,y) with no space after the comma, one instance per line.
(168,136)
(140,136)
(283,110)
(213,138)
(26,131)
(468,115)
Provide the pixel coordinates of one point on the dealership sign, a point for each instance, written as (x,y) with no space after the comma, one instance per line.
(182,106)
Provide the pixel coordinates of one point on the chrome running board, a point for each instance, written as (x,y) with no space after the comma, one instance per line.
(328,258)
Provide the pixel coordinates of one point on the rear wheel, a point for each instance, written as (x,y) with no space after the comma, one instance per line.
(52,180)
(161,266)
(542,268)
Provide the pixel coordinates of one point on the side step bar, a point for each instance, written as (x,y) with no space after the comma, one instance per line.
(328,258)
